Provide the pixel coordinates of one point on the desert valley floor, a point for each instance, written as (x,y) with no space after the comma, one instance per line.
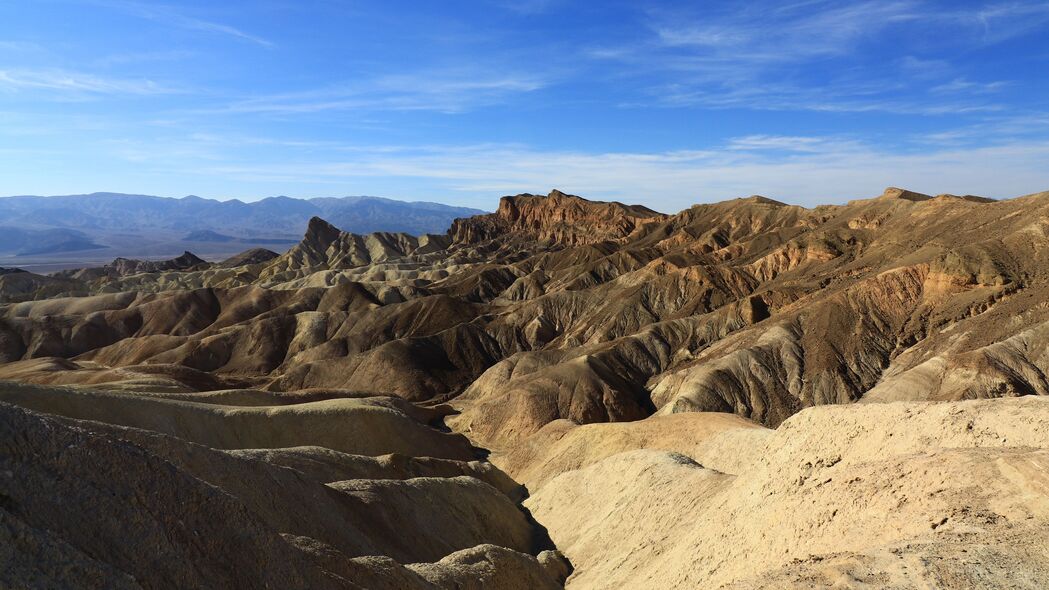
(563,393)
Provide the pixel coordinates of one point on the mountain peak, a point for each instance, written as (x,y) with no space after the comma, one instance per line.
(894,193)
(320,234)
(763,200)
(188,258)
(558,216)
(317,224)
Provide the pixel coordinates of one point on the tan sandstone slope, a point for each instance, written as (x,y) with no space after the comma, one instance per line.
(902,495)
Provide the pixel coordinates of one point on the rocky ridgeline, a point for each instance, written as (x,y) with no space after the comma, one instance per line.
(557,218)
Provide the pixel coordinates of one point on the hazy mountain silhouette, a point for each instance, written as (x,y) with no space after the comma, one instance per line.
(47,234)
(270,217)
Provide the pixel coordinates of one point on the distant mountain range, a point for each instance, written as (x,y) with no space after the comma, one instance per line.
(111,224)
(275,215)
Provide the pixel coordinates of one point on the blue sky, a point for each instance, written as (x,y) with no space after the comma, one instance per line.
(662,103)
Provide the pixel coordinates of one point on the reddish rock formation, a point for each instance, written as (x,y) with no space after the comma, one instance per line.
(562,219)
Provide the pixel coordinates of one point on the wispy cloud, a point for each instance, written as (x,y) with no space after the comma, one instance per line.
(1014,127)
(764,32)
(841,97)
(168,15)
(799,169)
(77,82)
(674,180)
(1001,21)
(449,92)
(963,85)
(758,34)
(814,55)
(786,143)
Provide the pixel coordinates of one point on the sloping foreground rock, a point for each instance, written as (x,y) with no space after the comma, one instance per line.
(901,495)
(563,446)
(93,505)
(369,426)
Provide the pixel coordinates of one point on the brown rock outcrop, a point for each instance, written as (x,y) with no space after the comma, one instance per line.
(557,218)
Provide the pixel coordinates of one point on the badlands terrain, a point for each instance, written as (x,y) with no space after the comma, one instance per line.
(563,393)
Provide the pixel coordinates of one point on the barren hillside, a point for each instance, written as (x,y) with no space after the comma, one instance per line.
(742,394)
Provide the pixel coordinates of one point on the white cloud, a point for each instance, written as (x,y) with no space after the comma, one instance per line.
(843,97)
(824,170)
(758,34)
(77,82)
(449,91)
(790,143)
(965,86)
(1004,20)
(814,55)
(768,32)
